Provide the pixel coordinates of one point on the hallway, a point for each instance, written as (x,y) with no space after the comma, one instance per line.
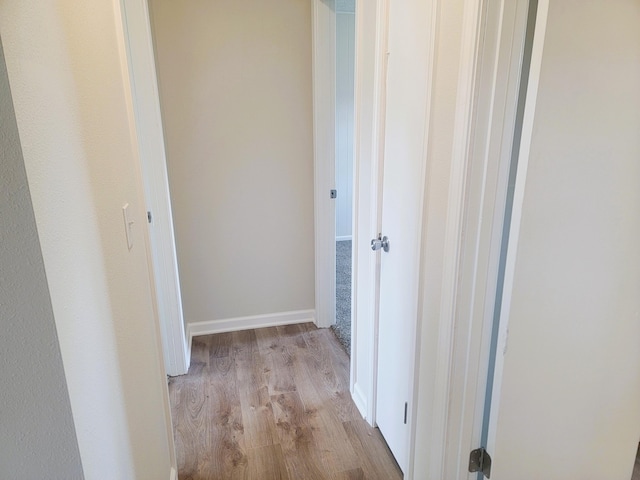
(273,403)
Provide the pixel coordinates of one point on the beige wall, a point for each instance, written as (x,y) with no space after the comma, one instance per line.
(65,66)
(235,90)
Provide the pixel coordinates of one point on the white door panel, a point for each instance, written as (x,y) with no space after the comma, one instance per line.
(567,392)
(403,181)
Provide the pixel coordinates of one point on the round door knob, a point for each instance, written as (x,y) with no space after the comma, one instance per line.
(380,243)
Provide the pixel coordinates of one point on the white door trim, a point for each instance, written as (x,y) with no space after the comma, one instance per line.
(323,67)
(460,428)
(518,200)
(501,40)
(367,205)
(368,213)
(451,255)
(150,142)
(146,103)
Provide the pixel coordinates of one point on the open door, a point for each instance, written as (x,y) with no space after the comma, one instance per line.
(402,199)
(564,400)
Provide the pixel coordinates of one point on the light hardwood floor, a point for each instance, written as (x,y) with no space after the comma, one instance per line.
(273,404)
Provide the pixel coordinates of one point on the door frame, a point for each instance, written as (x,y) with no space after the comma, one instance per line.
(518,201)
(146,104)
(369,106)
(433,428)
(493,97)
(366,188)
(436,388)
(323,60)
(148,129)
(473,294)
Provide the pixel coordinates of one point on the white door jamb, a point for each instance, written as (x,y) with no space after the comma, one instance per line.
(468,302)
(324,79)
(369,146)
(151,150)
(453,236)
(518,201)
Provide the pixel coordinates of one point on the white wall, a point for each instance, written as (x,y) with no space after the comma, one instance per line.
(68,79)
(37,435)
(235,89)
(345,66)
(575,303)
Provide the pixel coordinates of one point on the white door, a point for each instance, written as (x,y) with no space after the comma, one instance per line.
(566,399)
(403,180)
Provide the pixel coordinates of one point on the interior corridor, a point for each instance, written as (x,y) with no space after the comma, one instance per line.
(273,403)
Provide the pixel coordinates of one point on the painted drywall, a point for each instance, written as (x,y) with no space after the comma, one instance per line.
(236,98)
(575,304)
(37,435)
(345,66)
(67,71)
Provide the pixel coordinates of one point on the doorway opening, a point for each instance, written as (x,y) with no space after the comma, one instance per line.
(344,124)
(179,117)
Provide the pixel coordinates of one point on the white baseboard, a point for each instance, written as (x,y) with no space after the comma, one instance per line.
(173,475)
(360,400)
(343,238)
(210,327)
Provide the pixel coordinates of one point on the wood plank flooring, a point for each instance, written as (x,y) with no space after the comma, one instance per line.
(273,404)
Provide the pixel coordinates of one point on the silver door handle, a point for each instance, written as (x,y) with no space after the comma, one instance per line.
(380,243)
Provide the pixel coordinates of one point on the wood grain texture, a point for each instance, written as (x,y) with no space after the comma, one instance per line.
(273,403)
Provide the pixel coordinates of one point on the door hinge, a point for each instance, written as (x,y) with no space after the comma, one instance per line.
(149,216)
(333,193)
(480,461)
(406,407)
